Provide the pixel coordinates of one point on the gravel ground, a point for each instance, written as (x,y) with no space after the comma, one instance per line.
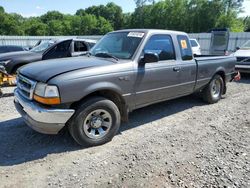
(180,143)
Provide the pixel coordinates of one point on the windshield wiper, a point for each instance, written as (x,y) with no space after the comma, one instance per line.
(106,55)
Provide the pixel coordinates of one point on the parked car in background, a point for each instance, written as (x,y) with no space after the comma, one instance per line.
(195,47)
(11,48)
(243,58)
(124,71)
(50,49)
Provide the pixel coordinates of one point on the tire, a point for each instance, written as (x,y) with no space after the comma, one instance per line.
(214,90)
(95,122)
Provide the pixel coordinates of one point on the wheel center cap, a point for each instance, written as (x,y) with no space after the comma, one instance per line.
(96,123)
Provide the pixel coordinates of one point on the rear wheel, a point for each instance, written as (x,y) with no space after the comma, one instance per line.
(95,122)
(214,90)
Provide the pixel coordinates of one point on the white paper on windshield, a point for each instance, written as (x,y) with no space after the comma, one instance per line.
(136,34)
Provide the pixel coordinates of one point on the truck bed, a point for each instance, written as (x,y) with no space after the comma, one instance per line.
(208,65)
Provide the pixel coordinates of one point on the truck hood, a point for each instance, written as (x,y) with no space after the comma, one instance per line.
(242,53)
(43,71)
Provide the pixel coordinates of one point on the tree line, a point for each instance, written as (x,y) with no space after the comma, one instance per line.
(192,16)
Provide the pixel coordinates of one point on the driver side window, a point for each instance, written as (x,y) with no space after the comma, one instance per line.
(162,45)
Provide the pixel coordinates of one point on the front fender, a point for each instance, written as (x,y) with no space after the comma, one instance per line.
(72,92)
(102,86)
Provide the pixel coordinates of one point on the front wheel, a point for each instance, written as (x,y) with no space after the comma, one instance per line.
(95,122)
(214,90)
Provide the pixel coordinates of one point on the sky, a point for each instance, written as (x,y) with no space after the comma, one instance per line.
(246,7)
(29,8)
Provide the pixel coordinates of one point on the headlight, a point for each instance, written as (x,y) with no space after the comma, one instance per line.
(47,94)
(4,63)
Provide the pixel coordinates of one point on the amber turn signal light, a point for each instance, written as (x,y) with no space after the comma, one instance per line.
(47,101)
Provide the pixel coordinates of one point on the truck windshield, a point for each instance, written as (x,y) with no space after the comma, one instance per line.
(43,46)
(121,45)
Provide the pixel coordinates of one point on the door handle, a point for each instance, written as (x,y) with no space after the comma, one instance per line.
(177,69)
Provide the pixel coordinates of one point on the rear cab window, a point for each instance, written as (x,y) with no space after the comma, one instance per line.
(185,47)
(162,45)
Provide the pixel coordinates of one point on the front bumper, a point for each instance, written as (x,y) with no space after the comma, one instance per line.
(39,118)
(243,68)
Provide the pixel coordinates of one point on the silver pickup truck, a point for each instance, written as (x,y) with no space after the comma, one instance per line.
(124,71)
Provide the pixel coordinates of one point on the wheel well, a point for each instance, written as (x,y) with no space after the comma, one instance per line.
(111,95)
(223,76)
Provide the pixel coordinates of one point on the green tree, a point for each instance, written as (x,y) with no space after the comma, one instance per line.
(81,12)
(8,24)
(52,15)
(111,12)
(55,28)
(35,27)
(1,9)
(184,15)
(230,21)
(246,22)
(140,3)
(103,26)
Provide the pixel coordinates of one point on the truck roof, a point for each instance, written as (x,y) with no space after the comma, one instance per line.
(152,31)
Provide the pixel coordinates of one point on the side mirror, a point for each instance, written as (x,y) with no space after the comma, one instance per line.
(237,48)
(150,58)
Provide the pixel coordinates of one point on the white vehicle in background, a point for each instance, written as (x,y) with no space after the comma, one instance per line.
(243,58)
(195,47)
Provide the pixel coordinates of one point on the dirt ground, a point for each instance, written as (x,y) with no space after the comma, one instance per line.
(179,143)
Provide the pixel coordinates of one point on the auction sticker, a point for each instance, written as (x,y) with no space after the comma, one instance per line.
(136,34)
(184,44)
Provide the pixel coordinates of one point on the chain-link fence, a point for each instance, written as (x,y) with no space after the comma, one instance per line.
(32,40)
(235,40)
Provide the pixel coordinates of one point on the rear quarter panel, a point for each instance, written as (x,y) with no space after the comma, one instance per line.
(209,66)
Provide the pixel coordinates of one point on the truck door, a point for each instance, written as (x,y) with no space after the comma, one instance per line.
(187,66)
(157,81)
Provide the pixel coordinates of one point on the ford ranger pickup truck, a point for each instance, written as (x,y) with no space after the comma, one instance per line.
(129,69)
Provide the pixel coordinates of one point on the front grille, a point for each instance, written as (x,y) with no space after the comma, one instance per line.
(243,59)
(25,87)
